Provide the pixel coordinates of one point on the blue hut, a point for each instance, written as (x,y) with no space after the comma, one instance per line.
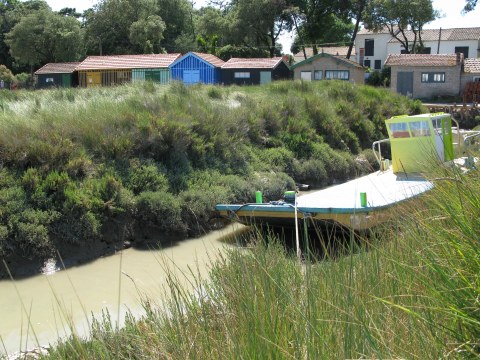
(193,68)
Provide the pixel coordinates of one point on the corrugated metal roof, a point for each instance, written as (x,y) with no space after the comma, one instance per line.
(57,68)
(456,34)
(253,63)
(212,59)
(145,61)
(472,65)
(423,59)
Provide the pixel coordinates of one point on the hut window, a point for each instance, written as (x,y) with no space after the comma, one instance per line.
(49,80)
(419,128)
(337,74)
(433,77)
(242,75)
(399,130)
(306,75)
(318,75)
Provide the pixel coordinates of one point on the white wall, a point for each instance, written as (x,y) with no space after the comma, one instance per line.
(380,51)
(446,47)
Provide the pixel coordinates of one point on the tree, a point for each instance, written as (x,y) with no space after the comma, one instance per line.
(262,21)
(400,16)
(44,36)
(70,12)
(108,26)
(148,33)
(469,6)
(179,31)
(320,21)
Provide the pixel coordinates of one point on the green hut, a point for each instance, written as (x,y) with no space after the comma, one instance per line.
(57,75)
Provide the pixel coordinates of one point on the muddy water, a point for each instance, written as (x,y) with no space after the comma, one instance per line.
(38,309)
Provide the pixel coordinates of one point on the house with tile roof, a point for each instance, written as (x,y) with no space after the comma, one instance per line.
(254,71)
(121,69)
(471,71)
(372,48)
(328,67)
(194,67)
(425,76)
(56,75)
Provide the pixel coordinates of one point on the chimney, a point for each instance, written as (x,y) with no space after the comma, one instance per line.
(459,58)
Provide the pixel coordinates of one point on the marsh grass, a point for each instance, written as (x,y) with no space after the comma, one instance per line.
(409,291)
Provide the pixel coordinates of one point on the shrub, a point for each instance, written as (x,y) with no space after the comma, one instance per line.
(273,185)
(198,206)
(161,210)
(147,178)
(311,171)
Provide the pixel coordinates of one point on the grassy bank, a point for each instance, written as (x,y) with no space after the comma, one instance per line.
(410,293)
(82,166)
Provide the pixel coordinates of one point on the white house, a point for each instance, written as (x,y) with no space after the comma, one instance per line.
(373,48)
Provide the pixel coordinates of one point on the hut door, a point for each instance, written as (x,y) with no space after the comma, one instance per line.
(191,76)
(94,79)
(265,77)
(66,80)
(405,83)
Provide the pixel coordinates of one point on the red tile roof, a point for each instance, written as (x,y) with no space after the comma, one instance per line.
(58,68)
(145,61)
(253,63)
(472,65)
(423,60)
(212,59)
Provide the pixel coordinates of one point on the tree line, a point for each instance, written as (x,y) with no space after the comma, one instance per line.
(32,34)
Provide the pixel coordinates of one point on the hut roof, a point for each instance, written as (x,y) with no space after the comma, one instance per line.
(428,60)
(341,59)
(253,63)
(58,68)
(472,65)
(212,59)
(145,61)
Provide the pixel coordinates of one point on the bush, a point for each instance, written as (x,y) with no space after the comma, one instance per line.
(160,210)
(311,171)
(198,207)
(147,178)
(273,185)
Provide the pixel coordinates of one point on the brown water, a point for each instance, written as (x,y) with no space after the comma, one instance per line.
(40,307)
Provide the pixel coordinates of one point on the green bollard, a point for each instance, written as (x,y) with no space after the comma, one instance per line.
(363,199)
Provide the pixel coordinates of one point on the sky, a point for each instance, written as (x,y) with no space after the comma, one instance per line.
(450,10)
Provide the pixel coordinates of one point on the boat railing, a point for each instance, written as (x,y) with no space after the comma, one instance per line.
(377,150)
(470,136)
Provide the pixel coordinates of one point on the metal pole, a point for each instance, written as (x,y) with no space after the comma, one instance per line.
(297,240)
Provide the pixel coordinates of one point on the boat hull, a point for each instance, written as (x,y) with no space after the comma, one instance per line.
(359,204)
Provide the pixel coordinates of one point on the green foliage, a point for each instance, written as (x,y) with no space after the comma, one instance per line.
(160,210)
(147,178)
(6,75)
(163,157)
(44,36)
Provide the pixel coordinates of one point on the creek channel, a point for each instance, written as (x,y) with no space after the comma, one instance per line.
(38,309)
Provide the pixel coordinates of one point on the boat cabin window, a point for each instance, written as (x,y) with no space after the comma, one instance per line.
(420,128)
(399,130)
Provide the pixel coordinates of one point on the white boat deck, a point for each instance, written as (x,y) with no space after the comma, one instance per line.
(382,188)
